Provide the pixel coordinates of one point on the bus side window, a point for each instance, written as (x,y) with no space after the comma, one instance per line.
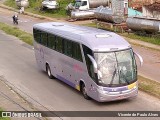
(89,64)
(44,38)
(59,44)
(67,47)
(37,35)
(51,41)
(77,52)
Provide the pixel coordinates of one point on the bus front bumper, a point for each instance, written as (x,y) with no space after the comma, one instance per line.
(114,96)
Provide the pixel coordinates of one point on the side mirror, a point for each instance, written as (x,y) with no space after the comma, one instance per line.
(94,63)
(140,58)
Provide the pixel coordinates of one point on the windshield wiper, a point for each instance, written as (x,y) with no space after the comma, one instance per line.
(114,74)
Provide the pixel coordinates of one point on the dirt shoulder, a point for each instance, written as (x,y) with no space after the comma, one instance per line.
(11,101)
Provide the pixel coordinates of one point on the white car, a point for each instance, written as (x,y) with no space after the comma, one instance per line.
(50,4)
(22,3)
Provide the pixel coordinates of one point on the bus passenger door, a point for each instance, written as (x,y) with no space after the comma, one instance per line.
(90,76)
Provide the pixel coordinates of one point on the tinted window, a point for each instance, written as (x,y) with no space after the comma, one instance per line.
(51,41)
(67,47)
(77,51)
(44,38)
(84,3)
(59,44)
(37,36)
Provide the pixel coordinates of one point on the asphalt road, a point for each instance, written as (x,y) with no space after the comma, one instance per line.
(151,66)
(18,67)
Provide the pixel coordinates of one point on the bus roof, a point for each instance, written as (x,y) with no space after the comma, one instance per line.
(96,39)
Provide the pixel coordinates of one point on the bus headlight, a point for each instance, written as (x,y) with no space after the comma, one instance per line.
(101,91)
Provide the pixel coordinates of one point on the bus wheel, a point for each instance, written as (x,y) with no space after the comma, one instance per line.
(48,70)
(84,92)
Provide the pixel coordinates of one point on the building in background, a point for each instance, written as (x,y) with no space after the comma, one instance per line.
(149,8)
(120,7)
(152,10)
(132,12)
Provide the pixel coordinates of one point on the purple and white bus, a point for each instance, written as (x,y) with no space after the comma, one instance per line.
(98,63)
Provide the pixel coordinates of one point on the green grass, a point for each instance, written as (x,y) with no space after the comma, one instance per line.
(34,7)
(10,3)
(61,13)
(154,40)
(22,35)
(4,118)
(90,25)
(149,86)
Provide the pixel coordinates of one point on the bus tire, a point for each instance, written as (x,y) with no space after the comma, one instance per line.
(48,70)
(84,92)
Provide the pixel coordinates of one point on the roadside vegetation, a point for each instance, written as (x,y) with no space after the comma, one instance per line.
(22,35)
(151,39)
(149,86)
(90,25)
(35,7)
(4,118)
(154,39)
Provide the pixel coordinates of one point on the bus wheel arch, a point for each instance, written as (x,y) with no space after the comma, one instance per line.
(83,90)
(48,70)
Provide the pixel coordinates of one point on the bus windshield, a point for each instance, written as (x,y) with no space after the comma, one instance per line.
(116,68)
